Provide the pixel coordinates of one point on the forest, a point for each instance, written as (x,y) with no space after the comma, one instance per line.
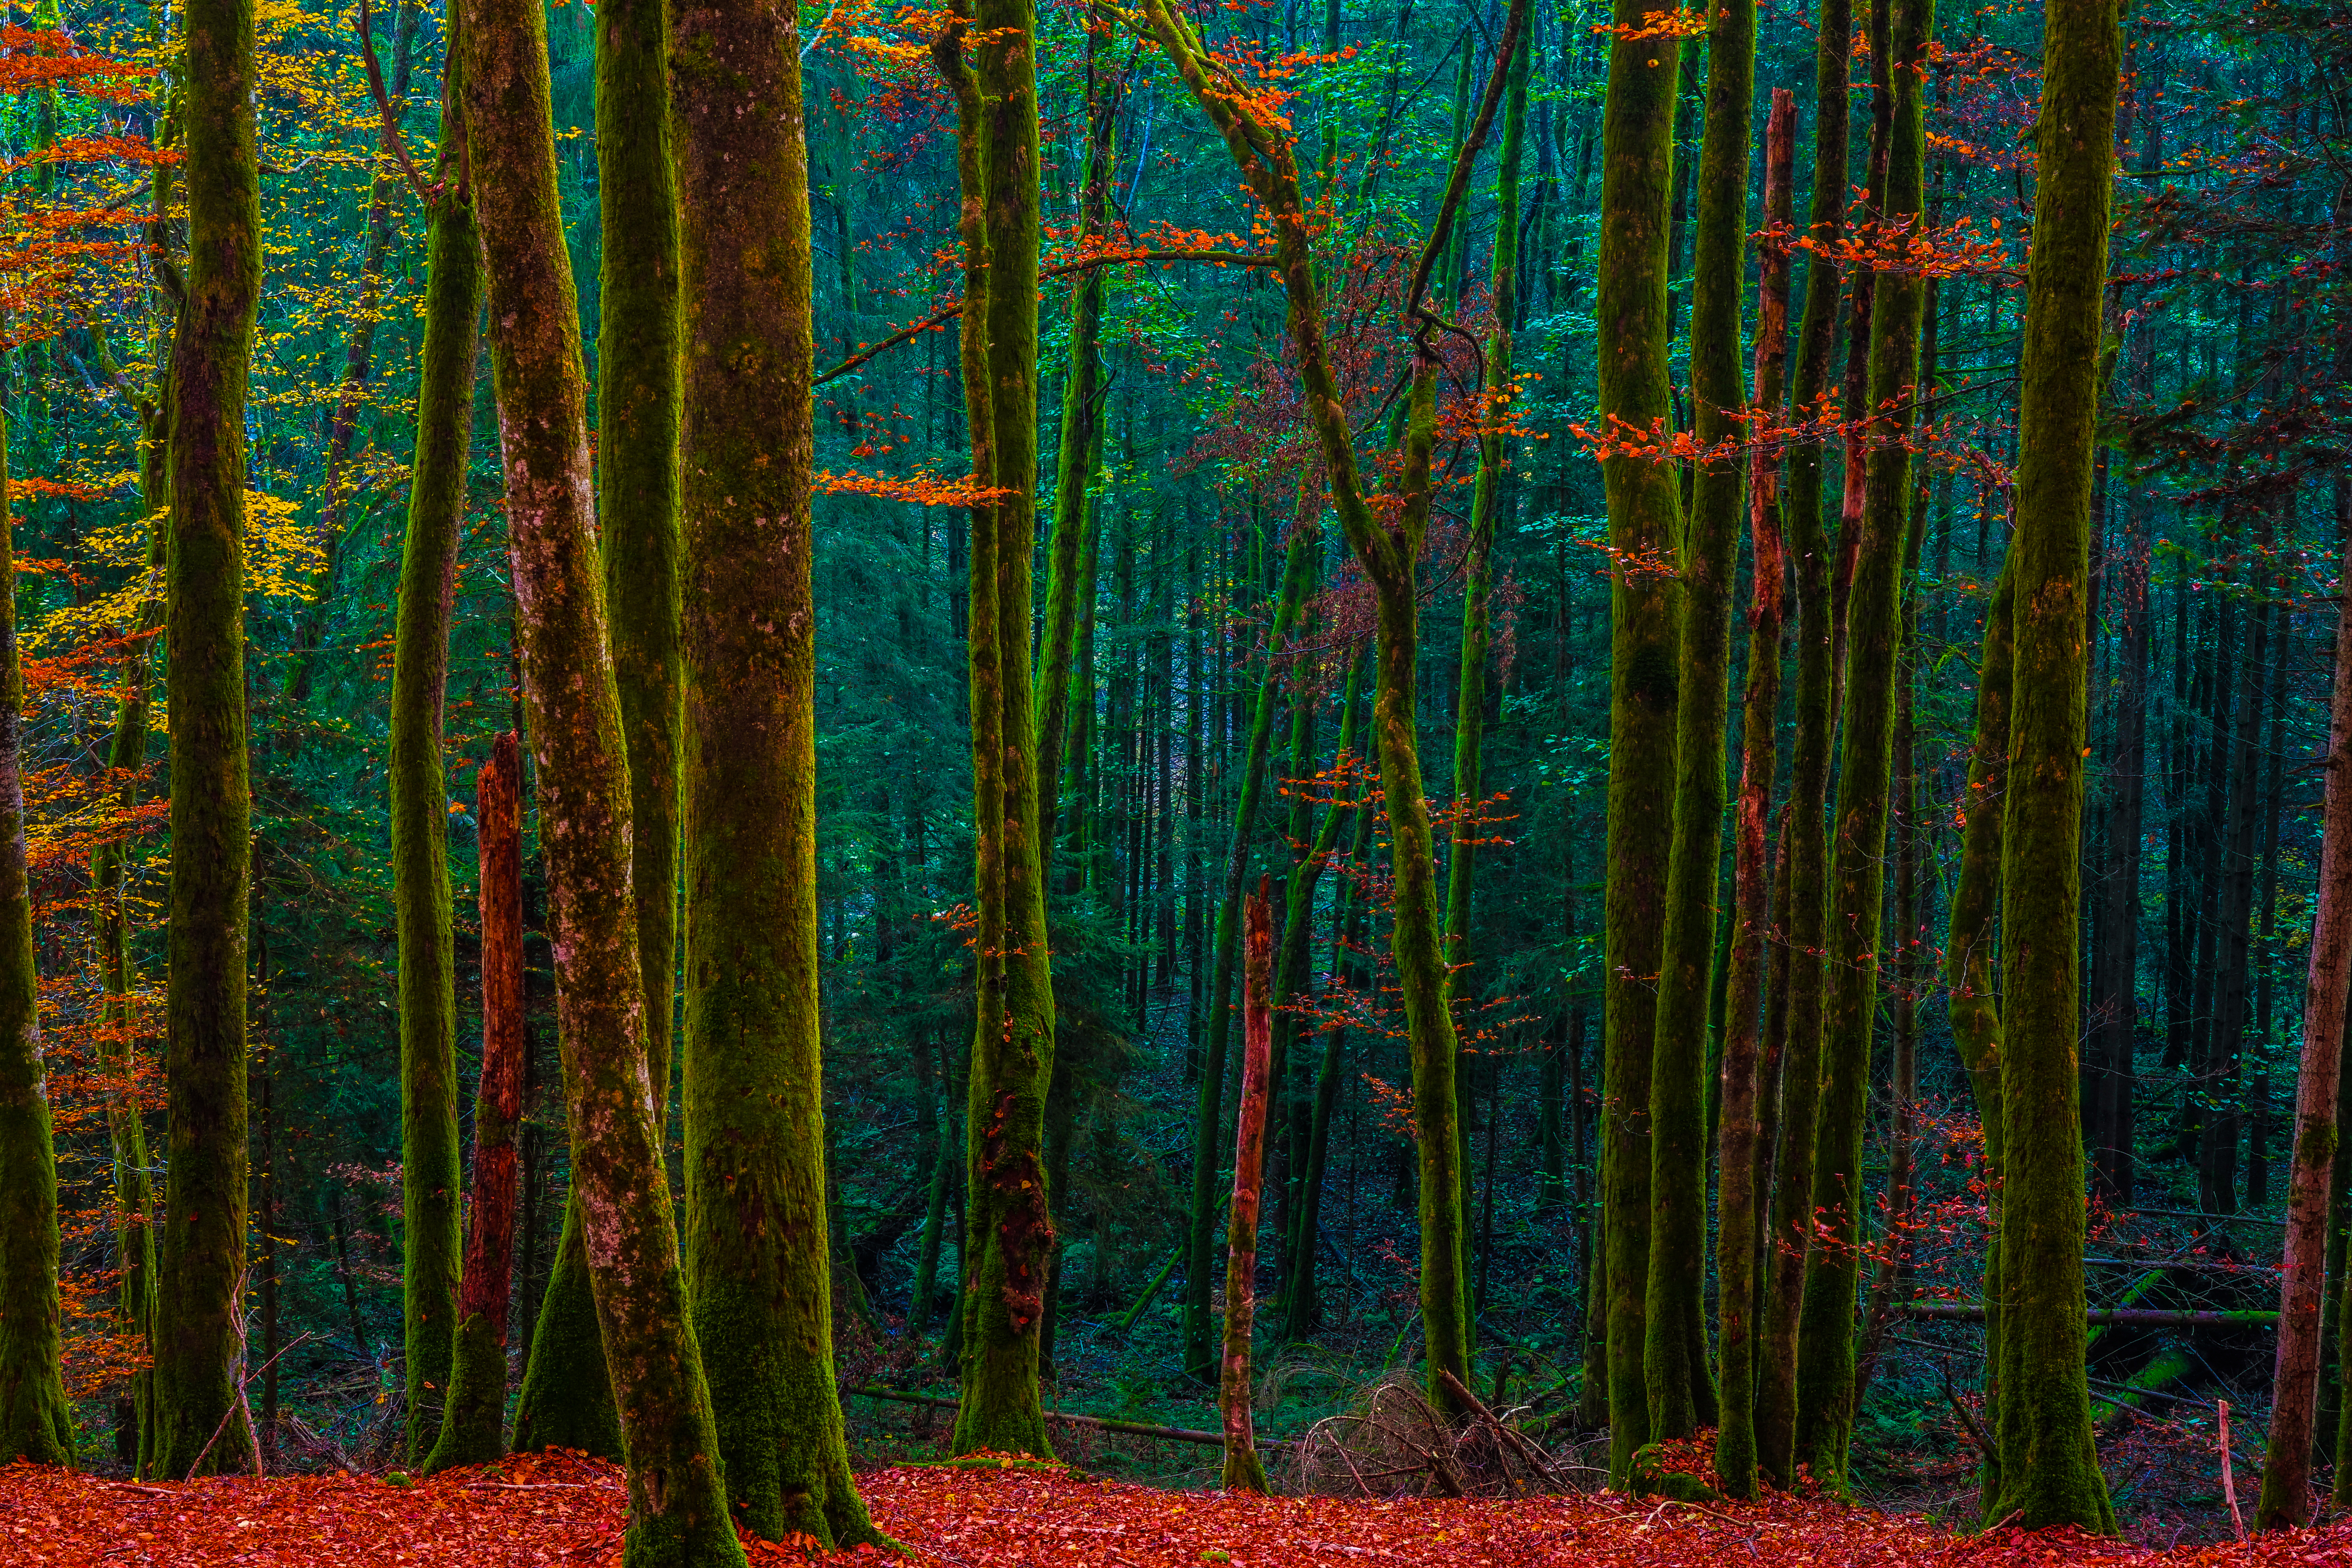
(1400,780)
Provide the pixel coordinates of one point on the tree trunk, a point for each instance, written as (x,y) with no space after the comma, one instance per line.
(1674,1365)
(1645,526)
(1243,1471)
(36,1422)
(2049,1473)
(678,1506)
(1009,1227)
(473,1430)
(1819,629)
(757,1225)
(1735,1237)
(429,1169)
(200,1263)
(1825,1356)
(1299,573)
(2294,1383)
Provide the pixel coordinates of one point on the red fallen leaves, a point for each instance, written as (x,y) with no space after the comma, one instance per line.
(556,1509)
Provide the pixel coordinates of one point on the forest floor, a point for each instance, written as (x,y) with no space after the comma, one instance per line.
(564,1510)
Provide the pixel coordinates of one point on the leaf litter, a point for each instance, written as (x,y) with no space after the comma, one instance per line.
(563,1509)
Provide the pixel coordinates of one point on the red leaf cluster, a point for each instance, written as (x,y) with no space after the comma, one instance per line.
(554,1508)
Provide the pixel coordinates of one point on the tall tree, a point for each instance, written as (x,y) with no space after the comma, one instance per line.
(1825,1369)
(1008,1227)
(1743,1162)
(567,1402)
(1674,1362)
(200,1263)
(755,1179)
(678,1506)
(1820,630)
(36,1422)
(420,789)
(2049,1473)
(1645,613)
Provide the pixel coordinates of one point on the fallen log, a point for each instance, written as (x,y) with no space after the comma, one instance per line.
(2133,1317)
(1100,1422)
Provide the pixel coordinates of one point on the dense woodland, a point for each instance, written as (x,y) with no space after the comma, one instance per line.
(1608,724)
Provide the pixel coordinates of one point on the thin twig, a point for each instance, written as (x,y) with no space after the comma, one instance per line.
(392,143)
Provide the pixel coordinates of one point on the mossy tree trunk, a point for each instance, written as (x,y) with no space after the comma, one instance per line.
(1388,548)
(1818,630)
(473,1425)
(1736,1232)
(678,1508)
(1008,1227)
(1825,1356)
(2049,1471)
(36,1422)
(1675,1368)
(566,1400)
(200,1261)
(756,1206)
(420,794)
(1244,1471)
(1644,530)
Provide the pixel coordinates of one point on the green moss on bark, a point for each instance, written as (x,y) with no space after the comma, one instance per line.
(429,1169)
(2049,1469)
(678,1508)
(757,1223)
(1644,529)
(201,1251)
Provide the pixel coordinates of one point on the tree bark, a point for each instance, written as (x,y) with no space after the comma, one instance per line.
(1244,1472)
(2294,1382)
(1645,524)
(677,1512)
(200,1262)
(2049,1472)
(1820,628)
(1009,1227)
(757,1225)
(429,1170)
(473,1429)
(1675,1363)
(36,1422)
(1736,1234)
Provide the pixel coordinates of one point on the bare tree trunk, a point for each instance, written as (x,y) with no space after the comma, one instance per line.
(1244,1472)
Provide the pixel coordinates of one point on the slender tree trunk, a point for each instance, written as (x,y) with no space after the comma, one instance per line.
(1674,1365)
(1645,526)
(1009,1225)
(429,1169)
(473,1430)
(2295,1381)
(1299,573)
(1825,1369)
(2049,1473)
(1736,1233)
(1235,1388)
(757,1225)
(1818,630)
(36,1422)
(677,1512)
(199,1264)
